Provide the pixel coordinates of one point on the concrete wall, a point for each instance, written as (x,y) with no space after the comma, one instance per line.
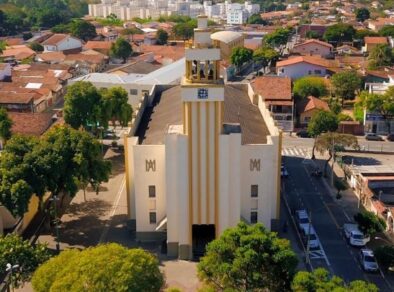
(312,49)
(300,70)
(69,44)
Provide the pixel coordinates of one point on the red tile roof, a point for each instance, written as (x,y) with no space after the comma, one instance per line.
(375,40)
(311,103)
(101,45)
(33,124)
(273,87)
(313,41)
(314,60)
(55,39)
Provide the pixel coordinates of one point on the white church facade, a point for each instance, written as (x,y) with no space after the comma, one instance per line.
(206,155)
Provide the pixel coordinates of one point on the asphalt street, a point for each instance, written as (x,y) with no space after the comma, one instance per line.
(305,192)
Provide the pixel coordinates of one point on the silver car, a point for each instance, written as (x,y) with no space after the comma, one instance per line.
(367,260)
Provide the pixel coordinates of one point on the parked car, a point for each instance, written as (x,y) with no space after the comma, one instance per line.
(367,260)
(283,171)
(390,137)
(303,134)
(302,218)
(354,235)
(373,137)
(308,234)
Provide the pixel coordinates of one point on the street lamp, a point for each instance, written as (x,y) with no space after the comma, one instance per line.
(10,269)
(54,199)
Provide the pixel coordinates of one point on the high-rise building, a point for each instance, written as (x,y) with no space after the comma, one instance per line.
(206,155)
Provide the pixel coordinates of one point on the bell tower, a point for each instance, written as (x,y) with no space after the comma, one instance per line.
(202,91)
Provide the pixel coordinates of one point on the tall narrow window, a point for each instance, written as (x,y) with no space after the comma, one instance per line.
(152,191)
(152,217)
(254,191)
(253,217)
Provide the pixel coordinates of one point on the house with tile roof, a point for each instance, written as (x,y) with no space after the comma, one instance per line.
(372,42)
(297,67)
(17,53)
(313,47)
(276,93)
(60,42)
(5,71)
(102,47)
(308,107)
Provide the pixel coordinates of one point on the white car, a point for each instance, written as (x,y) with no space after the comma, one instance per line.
(302,219)
(309,236)
(367,260)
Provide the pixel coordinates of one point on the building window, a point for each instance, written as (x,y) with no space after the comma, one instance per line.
(253,217)
(152,217)
(254,191)
(309,72)
(152,191)
(133,91)
(318,72)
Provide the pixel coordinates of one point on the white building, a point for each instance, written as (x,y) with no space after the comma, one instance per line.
(62,43)
(206,156)
(238,14)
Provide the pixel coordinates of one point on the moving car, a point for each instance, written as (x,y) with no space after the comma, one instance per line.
(390,137)
(354,235)
(303,134)
(373,137)
(302,219)
(283,171)
(367,260)
(310,237)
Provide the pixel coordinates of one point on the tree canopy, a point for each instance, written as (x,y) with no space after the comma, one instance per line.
(16,251)
(162,37)
(385,256)
(83,29)
(248,258)
(346,84)
(121,49)
(369,223)
(256,19)
(241,55)
(322,121)
(184,30)
(381,55)
(5,124)
(109,267)
(387,30)
(320,280)
(266,55)
(278,37)
(339,33)
(362,14)
(309,86)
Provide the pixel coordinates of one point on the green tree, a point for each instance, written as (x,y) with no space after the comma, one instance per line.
(331,142)
(321,122)
(109,267)
(83,29)
(340,185)
(362,14)
(344,117)
(240,56)
(320,280)
(266,55)
(387,30)
(278,37)
(378,103)
(162,37)
(61,28)
(385,256)
(37,47)
(309,86)
(16,251)
(248,258)
(27,35)
(362,33)
(369,223)
(82,105)
(311,34)
(346,84)
(381,55)
(339,33)
(185,30)
(256,19)
(121,49)
(5,125)
(116,99)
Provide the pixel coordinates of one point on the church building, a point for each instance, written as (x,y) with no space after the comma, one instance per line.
(206,155)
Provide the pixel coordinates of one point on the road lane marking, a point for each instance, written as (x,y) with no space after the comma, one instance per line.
(332,216)
(113,210)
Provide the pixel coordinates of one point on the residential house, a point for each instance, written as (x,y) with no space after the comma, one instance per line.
(379,23)
(313,47)
(297,67)
(32,124)
(276,93)
(103,47)
(308,107)
(87,61)
(5,72)
(347,50)
(51,57)
(17,53)
(372,42)
(228,40)
(316,28)
(16,101)
(62,43)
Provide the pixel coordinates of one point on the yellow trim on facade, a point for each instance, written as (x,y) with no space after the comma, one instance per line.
(126,157)
(199,215)
(279,175)
(207,164)
(190,146)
